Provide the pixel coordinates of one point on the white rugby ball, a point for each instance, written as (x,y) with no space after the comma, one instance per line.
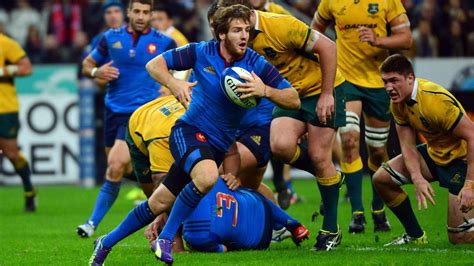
(229,80)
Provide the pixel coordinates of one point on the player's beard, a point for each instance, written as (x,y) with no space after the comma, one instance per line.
(234,49)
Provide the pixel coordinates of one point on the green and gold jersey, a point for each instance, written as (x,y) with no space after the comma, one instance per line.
(286,43)
(10,53)
(434,112)
(154,120)
(275,8)
(359,61)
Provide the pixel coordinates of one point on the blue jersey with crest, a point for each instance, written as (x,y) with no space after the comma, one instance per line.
(210,110)
(237,219)
(130,53)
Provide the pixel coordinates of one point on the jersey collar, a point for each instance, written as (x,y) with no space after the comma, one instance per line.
(412,100)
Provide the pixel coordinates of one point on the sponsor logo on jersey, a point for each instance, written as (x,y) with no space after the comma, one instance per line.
(210,70)
(373,8)
(117,45)
(257,139)
(200,137)
(151,48)
(355,26)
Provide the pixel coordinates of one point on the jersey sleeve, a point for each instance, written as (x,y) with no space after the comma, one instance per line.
(13,52)
(395,9)
(298,33)
(181,58)
(398,116)
(101,51)
(269,74)
(324,12)
(447,113)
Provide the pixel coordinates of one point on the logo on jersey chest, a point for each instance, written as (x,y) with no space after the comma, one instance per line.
(200,137)
(210,70)
(456,179)
(373,8)
(257,139)
(151,48)
(117,45)
(269,52)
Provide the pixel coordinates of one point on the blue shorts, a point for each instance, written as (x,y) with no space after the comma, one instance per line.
(115,125)
(189,145)
(257,140)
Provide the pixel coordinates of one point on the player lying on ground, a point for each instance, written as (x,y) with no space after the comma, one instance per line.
(448,156)
(243,219)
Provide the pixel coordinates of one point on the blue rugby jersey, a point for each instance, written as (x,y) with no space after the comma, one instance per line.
(130,53)
(210,110)
(237,219)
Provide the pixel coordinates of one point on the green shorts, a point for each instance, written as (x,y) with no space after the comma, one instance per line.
(375,102)
(307,112)
(140,162)
(450,176)
(9,125)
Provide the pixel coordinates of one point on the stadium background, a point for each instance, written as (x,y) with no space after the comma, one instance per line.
(61,112)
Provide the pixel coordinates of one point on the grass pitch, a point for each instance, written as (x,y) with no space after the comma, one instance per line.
(48,236)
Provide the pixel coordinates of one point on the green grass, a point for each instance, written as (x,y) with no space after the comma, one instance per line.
(48,236)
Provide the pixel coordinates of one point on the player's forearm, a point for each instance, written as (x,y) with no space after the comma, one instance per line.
(231,163)
(89,67)
(21,68)
(158,70)
(410,154)
(398,40)
(470,159)
(328,60)
(286,98)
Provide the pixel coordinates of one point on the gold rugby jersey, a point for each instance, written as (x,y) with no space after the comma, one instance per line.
(359,61)
(434,112)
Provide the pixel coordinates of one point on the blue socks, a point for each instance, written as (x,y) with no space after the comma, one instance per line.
(135,220)
(107,196)
(281,218)
(187,200)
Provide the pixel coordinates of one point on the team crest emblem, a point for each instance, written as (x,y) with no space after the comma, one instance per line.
(269,52)
(151,48)
(200,137)
(256,139)
(210,70)
(373,8)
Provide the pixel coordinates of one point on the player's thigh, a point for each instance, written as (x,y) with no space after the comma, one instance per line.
(459,231)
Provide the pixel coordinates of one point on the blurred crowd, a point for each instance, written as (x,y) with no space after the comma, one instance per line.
(57,31)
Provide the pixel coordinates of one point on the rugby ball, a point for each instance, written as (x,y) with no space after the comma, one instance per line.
(230,78)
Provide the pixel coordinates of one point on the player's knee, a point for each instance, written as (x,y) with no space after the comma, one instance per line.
(206,179)
(381,178)
(280,150)
(321,160)
(12,154)
(115,169)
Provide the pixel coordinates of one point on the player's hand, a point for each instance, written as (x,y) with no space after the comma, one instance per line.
(153,230)
(107,72)
(253,86)
(183,91)
(466,196)
(367,35)
(325,107)
(231,181)
(423,190)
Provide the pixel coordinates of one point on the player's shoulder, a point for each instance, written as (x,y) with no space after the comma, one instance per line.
(5,40)
(253,57)
(157,35)
(430,90)
(208,49)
